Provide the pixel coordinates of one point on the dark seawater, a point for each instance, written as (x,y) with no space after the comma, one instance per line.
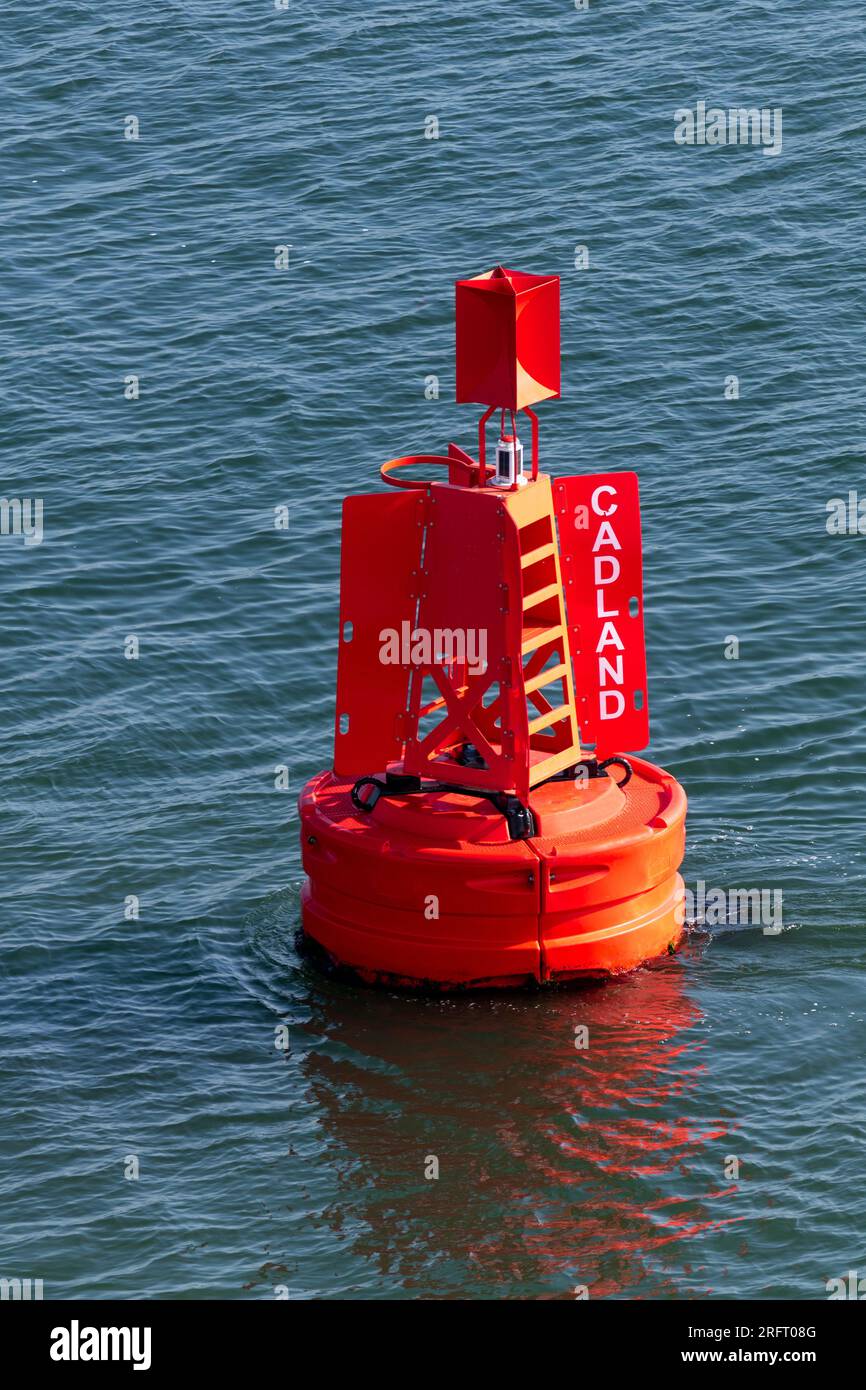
(155,777)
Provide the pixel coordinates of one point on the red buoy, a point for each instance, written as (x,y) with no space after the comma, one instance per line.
(481,824)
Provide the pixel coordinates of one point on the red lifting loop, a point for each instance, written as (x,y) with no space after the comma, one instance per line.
(410,460)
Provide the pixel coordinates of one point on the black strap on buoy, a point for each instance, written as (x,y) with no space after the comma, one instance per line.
(521,821)
(519,818)
(593,768)
(394,785)
(618,762)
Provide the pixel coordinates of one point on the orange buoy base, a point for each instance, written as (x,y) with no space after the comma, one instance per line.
(429,891)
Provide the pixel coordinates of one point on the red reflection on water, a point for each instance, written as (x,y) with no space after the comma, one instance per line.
(558,1167)
(625,1141)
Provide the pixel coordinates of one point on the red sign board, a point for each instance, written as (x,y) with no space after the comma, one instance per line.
(598,517)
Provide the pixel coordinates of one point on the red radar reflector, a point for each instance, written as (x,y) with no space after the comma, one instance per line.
(507,338)
(598,516)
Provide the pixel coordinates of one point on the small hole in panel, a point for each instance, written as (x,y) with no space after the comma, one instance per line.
(348,630)
(638,699)
(633,607)
(344,723)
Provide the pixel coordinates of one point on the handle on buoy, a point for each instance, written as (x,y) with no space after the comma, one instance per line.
(618,762)
(366,803)
(411,460)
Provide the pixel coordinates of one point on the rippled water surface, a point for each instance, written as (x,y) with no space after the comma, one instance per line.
(154,777)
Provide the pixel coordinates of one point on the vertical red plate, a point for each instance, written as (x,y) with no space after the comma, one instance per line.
(598,516)
(380,559)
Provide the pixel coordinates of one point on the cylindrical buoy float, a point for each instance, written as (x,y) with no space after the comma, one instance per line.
(482,825)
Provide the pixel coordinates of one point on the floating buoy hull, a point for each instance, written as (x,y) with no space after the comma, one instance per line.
(430,891)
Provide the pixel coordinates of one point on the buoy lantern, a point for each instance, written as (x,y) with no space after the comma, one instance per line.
(482,825)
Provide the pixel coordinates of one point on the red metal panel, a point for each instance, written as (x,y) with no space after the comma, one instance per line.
(600,545)
(381,552)
(472,596)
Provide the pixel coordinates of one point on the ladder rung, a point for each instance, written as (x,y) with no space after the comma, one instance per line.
(539,772)
(552,716)
(541,636)
(555,673)
(541,552)
(540,595)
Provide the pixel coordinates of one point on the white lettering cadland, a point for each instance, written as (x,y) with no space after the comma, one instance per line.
(604,597)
